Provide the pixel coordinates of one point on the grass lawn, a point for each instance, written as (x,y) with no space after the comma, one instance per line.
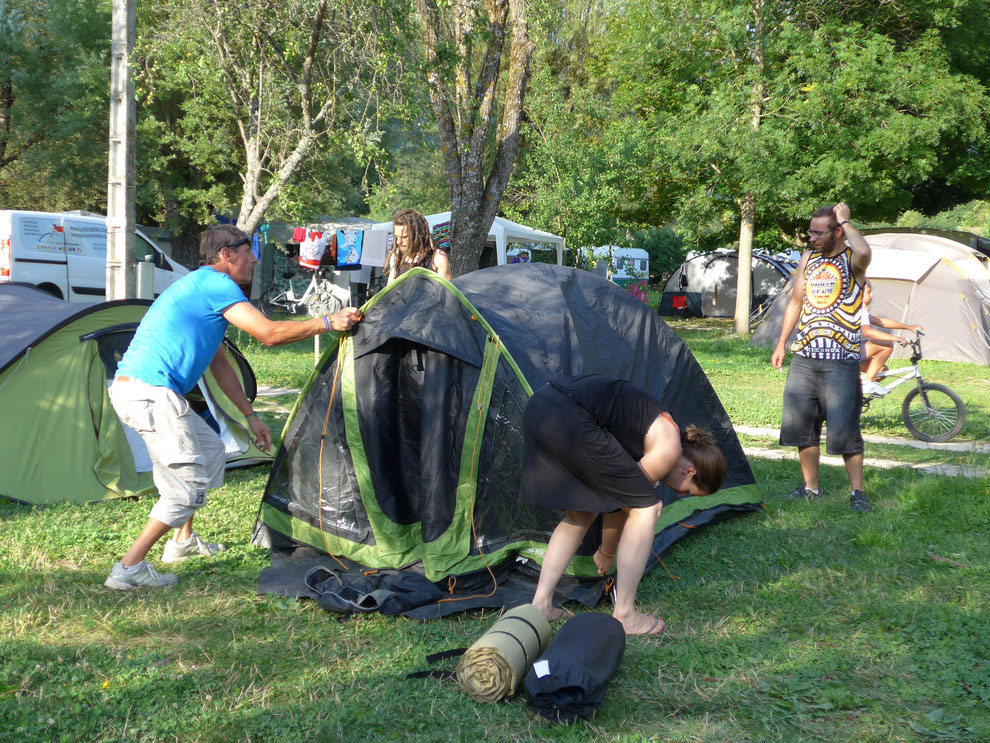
(805,622)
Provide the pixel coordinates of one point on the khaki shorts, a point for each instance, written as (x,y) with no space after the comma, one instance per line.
(187,456)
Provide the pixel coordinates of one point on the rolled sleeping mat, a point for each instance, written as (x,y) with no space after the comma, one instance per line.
(569,680)
(493,666)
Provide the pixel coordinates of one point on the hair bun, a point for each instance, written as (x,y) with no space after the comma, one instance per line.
(698,437)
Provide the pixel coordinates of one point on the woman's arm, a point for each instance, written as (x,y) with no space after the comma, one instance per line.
(612,524)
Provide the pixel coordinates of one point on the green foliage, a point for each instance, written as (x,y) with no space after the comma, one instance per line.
(973,216)
(666,248)
(54,98)
(643,113)
(412,178)
(236,112)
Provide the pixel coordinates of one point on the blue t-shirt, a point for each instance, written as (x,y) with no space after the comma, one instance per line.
(181,332)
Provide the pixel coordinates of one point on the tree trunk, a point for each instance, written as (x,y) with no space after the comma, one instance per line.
(744,278)
(464,110)
(747,206)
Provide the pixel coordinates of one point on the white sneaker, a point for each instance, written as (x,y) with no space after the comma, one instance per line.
(122,579)
(179,551)
(872,388)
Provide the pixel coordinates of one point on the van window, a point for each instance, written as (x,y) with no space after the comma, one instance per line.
(143,247)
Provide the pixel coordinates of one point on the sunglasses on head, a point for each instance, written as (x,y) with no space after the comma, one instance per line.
(245,241)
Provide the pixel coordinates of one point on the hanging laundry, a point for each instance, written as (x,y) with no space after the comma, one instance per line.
(311,249)
(441,236)
(349,245)
(373,250)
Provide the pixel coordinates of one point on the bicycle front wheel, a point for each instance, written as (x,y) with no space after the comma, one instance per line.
(323,303)
(933,412)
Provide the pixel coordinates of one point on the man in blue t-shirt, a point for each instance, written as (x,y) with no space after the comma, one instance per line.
(180,336)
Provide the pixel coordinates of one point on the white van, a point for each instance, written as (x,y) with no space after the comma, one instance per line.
(66,254)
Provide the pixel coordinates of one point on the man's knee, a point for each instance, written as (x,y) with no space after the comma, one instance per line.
(173,511)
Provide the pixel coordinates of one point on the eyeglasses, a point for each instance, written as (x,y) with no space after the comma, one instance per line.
(245,241)
(817,233)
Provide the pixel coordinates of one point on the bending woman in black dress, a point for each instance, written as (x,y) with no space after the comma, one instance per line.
(596,444)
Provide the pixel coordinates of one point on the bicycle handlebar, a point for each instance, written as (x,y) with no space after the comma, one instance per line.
(916,347)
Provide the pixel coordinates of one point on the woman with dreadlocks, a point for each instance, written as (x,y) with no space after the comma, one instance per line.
(412,246)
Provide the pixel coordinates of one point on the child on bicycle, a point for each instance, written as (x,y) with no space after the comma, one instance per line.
(877,345)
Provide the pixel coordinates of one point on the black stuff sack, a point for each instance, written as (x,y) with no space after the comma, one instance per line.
(569,680)
(386,591)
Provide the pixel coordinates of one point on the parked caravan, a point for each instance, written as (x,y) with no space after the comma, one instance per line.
(620,265)
(65,254)
(503,232)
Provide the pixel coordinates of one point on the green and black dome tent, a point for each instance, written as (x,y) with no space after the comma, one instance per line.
(404,449)
(60,439)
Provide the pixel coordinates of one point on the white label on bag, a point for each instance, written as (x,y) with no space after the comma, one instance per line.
(541,668)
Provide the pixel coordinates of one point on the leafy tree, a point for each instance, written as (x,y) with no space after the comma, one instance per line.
(54,94)
(410,171)
(262,100)
(973,216)
(666,248)
(762,111)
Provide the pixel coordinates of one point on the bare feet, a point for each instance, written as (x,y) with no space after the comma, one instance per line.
(642,624)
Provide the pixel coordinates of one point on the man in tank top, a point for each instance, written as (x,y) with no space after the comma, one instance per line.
(823,380)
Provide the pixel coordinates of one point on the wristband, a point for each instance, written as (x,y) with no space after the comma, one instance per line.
(326,322)
(253,412)
(606,554)
(844,221)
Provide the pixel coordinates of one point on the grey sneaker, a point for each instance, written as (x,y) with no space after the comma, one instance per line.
(857,499)
(122,579)
(179,551)
(803,492)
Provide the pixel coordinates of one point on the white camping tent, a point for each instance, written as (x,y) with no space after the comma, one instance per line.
(503,231)
(705,284)
(924,279)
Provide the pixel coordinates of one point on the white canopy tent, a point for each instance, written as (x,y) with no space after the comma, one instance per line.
(503,231)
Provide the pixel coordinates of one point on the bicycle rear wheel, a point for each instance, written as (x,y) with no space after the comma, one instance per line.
(933,412)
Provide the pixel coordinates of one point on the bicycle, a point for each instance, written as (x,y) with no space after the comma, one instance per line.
(931,411)
(320,297)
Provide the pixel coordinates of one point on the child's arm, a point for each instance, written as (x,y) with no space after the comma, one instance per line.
(886,322)
(872,334)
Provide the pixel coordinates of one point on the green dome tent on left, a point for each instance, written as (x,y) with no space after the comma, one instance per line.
(61,439)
